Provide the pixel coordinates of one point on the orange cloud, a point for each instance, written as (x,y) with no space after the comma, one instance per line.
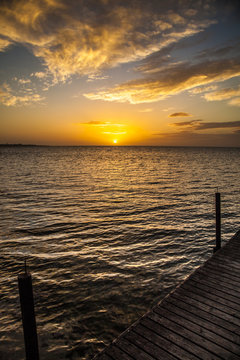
(95,123)
(4,43)
(166,82)
(222,94)
(179,114)
(146,110)
(203,89)
(8,98)
(83,38)
(235,102)
(102,123)
(202,125)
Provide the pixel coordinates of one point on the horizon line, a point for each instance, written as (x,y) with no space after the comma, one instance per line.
(118,146)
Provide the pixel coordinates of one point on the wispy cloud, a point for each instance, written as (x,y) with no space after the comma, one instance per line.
(146,110)
(180,114)
(4,44)
(231,49)
(235,102)
(79,37)
(94,77)
(218,125)
(40,74)
(191,123)
(202,89)
(106,127)
(230,94)
(24,81)
(223,94)
(101,123)
(9,98)
(94,123)
(168,109)
(114,132)
(183,76)
(202,125)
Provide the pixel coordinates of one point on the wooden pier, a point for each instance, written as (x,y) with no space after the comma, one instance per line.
(200,319)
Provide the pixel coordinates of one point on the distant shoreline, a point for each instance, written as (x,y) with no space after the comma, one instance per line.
(22,145)
(122,146)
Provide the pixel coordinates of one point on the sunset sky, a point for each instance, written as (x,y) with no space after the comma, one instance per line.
(111,72)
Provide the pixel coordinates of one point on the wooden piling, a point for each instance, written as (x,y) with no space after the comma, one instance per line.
(218,221)
(28,315)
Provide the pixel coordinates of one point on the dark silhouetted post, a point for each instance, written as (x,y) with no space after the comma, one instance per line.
(218,221)
(28,315)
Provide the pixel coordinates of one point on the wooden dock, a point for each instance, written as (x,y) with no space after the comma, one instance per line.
(200,319)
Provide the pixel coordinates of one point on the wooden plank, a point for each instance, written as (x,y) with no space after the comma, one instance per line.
(212,289)
(215,267)
(222,268)
(192,286)
(203,314)
(148,329)
(200,319)
(196,318)
(117,354)
(194,325)
(139,337)
(162,329)
(183,295)
(188,340)
(230,245)
(220,275)
(197,307)
(206,274)
(157,333)
(216,286)
(189,291)
(105,357)
(230,260)
(225,287)
(132,349)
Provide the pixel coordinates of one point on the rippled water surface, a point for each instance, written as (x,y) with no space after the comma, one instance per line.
(107,233)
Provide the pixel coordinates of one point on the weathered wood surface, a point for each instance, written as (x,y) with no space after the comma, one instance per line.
(200,319)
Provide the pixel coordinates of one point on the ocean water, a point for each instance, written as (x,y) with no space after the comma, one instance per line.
(107,232)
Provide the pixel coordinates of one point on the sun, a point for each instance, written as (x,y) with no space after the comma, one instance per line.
(115,141)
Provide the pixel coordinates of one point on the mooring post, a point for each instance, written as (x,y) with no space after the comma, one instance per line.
(218,220)
(28,315)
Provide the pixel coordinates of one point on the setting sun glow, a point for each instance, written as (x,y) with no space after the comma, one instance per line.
(120,75)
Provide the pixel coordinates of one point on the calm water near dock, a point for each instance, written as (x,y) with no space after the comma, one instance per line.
(107,232)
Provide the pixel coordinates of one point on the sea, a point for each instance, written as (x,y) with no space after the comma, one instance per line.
(106,233)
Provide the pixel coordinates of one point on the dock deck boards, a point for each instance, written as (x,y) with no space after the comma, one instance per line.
(200,319)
